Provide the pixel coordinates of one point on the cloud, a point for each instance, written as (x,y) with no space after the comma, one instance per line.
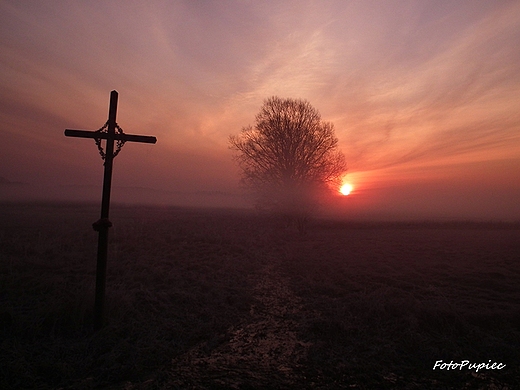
(457,99)
(407,84)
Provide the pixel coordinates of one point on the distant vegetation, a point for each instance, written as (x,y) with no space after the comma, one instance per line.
(4,181)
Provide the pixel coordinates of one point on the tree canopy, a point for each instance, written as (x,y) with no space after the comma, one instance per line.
(289,154)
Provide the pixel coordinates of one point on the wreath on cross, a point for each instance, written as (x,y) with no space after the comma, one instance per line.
(119,142)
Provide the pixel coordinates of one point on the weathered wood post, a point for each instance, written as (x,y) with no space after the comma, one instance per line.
(107,132)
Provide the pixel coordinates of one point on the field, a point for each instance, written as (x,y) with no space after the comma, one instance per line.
(220,299)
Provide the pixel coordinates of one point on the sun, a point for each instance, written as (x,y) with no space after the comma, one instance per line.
(346,189)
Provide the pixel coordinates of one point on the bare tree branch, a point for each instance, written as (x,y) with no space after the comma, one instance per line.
(288,154)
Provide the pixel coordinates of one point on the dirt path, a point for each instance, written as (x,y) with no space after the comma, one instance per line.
(264,351)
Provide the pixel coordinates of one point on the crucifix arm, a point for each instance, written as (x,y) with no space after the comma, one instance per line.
(118,137)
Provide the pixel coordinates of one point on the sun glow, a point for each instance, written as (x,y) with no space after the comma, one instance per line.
(346,189)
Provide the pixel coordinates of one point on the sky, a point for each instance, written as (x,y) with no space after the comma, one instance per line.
(424,97)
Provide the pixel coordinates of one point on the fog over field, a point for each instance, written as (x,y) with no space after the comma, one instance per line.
(22,192)
(406,203)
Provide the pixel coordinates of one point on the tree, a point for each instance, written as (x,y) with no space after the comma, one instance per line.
(289,156)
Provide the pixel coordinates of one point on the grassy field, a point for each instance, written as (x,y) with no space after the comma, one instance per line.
(219,299)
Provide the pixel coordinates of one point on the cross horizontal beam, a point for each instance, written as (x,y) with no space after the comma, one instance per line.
(119,137)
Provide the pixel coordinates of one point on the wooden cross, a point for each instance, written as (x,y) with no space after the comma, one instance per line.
(108,133)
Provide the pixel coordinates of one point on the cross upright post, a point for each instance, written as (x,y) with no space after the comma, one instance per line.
(103,224)
(109,155)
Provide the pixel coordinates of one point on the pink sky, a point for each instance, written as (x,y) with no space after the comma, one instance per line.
(424,96)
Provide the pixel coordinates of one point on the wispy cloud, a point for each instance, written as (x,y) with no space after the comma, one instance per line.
(459,98)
